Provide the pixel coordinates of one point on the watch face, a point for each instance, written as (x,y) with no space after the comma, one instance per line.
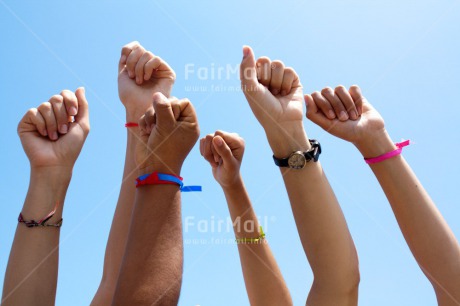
(297,160)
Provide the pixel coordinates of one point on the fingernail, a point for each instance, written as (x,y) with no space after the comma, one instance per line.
(54,136)
(130,74)
(219,141)
(63,129)
(331,114)
(354,115)
(275,92)
(72,111)
(123,58)
(283,92)
(343,115)
(45,133)
(245,51)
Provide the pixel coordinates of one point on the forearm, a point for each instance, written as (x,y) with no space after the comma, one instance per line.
(31,274)
(120,225)
(151,270)
(430,239)
(321,224)
(264,282)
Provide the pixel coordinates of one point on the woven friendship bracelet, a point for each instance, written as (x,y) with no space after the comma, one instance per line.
(252,240)
(42,222)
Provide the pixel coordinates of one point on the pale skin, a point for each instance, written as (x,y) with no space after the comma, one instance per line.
(427,234)
(264,282)
(140,74)
(151,268)
(52,136)
(275,96)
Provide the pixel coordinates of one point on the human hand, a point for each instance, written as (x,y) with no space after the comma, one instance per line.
(49,138)
(367,132)
(224,152)
(168,132)
(275,96)
(140,75)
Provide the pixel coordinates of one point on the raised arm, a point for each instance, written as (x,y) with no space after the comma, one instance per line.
(151,270)
(52,144)
(430,239)
(140,75)
(264,282)
(274,94)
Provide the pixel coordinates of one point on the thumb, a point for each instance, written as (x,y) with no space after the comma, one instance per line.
(163,111)
(315,114)
(222,149)
(248,72)
(82,116)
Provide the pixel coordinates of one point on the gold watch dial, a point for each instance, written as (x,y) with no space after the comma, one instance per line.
(297,160)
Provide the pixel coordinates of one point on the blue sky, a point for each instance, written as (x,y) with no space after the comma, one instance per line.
(404,54)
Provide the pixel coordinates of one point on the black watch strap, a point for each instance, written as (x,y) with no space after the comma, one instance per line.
(312,154)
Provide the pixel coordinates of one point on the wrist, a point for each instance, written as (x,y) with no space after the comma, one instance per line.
(375,145)
(51,175)
(47,188)
(233,187)
(287,139)
(133,115)
(160,168)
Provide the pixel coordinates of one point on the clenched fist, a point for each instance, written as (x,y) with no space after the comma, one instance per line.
(140,75)
(224,152)
(168,132)
(53,134)
(275,96)
(324,108)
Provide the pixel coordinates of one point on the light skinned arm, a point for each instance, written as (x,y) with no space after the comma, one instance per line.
(140,75)
(52,144)
(264,282)
(274,94)
(151,269)
(429,237)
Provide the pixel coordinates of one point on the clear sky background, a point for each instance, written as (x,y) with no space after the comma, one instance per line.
(404,54)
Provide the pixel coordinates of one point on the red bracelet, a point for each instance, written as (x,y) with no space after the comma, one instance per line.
(131,124)
(156,178)
(381,158)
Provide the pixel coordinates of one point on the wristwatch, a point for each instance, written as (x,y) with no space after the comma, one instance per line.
(298,159)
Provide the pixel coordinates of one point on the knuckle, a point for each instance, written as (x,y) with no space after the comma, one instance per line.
(57,99)
(263,60)
(31,111)
(326,90)
(277,64)
(129,46)
(45,106)
(65,92)
(126,49)
(209,138)
(316,94)
(289,71)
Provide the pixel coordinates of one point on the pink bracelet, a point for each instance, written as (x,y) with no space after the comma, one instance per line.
(388,155)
